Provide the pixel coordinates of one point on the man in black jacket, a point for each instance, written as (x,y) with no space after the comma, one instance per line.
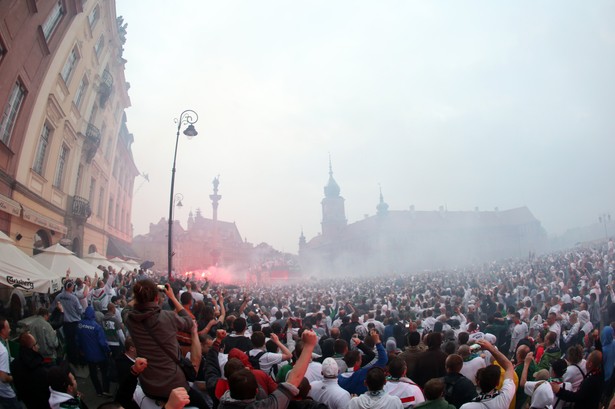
(237,339)
(458,389)
(590,390)
(126,360)
(30,374)
(431,363)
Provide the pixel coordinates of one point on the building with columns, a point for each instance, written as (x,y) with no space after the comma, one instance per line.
(66,166)
(400,241)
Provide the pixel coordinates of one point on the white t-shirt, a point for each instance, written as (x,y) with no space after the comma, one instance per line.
(409,394)
(557,329)
(197,296)
(499,400)
(267,360)
(314,372)
(472,366)
(330,393)
(5,366)
(540,393)
(147,403)
(575,374)
(519,332)
(475,336)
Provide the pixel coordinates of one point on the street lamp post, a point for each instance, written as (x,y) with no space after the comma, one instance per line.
(188,117)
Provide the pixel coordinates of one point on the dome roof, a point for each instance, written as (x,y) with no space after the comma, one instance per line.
(332,189)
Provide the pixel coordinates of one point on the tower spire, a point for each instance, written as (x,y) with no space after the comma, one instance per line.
(382,207)
(332,189)
(302,240)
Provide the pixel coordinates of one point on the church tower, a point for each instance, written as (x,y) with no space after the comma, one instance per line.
(382,207)
(333,213)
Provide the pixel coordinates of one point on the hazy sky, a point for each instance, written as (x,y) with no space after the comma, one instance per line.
(444,103)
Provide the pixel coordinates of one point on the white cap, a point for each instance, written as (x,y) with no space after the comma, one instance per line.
(330,368)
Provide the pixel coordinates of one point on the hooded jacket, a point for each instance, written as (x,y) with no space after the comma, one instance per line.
(91,338)
(551,354)
(354,382)
(375,400)
(146,321)
(608,351)
(61,400)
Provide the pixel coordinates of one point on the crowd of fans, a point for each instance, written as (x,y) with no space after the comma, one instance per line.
(534,333)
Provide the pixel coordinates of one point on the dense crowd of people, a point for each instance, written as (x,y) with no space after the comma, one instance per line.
(533,333)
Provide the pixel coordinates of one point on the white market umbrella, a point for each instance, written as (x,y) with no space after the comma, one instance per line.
(58,259)
(119,262)
(134,264)
(97,259)
(18,270)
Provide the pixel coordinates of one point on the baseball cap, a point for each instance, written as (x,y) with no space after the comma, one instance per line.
(330,368)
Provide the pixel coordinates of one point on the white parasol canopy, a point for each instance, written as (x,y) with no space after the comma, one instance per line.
(133,264)
(97,259)
(18,270)
(58,259)
(119,262)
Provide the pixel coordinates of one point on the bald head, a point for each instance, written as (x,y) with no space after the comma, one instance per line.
(522,351)
(464,351)
(27,341)
(335,333)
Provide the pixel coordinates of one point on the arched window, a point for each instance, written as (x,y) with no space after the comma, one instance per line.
(92,249)
(41,241)
(76,247)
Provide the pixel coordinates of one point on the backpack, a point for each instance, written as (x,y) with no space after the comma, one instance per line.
(449,388)
(255,359)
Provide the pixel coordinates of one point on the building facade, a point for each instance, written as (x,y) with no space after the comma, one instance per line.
(205,242)
(67,171)
(400,241)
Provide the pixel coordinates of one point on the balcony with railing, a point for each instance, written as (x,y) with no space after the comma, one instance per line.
(80,208)
(92,142)
(105,88)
